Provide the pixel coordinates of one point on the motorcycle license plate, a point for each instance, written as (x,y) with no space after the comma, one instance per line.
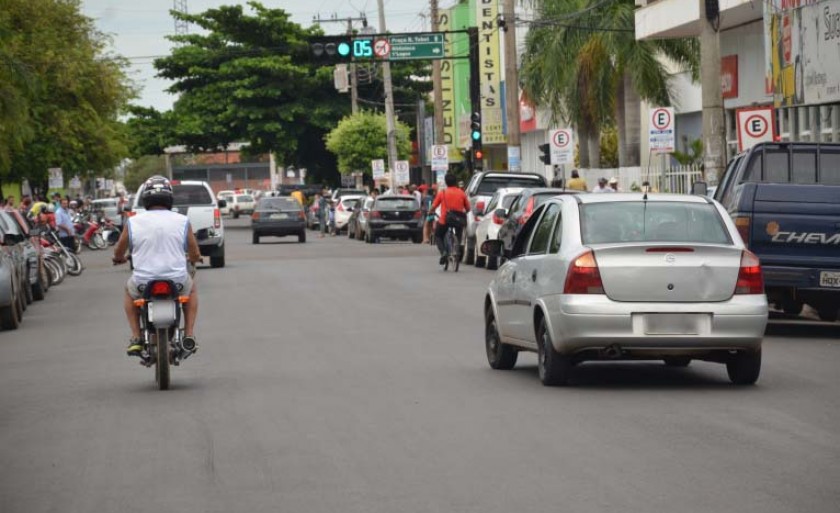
(830,279)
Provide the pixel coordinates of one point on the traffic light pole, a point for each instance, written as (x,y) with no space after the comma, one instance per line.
(475,96)
(390,123)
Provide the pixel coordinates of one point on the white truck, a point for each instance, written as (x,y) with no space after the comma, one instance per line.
(195,200)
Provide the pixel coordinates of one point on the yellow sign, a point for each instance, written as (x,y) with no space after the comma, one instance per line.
(447,86)
(486,16)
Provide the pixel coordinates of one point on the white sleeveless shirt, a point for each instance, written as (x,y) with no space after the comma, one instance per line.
(158,240)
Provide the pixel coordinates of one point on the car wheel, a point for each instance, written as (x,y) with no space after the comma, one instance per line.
(9,318)
(828,313)
(480,261)
(302,237)
(744,367)
(217,262)
(677,361)
(418,238)
(500,356)
(492,263)
(554,368)
(255,239)
(471,258)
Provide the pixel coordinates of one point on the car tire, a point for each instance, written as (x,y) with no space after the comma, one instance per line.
(500,356)
(418,238)
(553,368)
(492,263)
(302,237)
(480,261)
(9,318)
(255,239)
(828,313)
(744,367)
(677,361)
(217,262)
(471,257)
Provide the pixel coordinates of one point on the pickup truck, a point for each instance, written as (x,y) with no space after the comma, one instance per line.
(482,187)
(195,200)
(785,201)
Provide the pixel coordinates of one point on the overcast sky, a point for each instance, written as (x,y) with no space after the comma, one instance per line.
(139,29)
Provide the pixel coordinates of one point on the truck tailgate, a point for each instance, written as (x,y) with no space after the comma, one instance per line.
(796,225)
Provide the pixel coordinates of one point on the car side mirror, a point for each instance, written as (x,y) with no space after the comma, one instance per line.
(501,213)
(700,188)
(222,203)
(493,248)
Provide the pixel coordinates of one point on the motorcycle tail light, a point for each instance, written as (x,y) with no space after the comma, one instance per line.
(161,288)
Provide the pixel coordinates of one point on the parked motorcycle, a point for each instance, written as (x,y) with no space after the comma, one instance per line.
(89,231)
(73,264)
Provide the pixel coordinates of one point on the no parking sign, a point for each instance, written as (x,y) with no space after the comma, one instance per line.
(661,130)
(754,126)
(562,149)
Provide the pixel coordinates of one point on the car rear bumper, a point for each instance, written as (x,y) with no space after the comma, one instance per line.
(279,229)
(796,277)
(583,322)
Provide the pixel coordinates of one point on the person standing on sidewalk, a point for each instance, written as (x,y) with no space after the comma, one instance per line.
(64,223)
(323,213)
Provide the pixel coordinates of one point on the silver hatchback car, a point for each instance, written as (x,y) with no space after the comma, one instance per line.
(627,277)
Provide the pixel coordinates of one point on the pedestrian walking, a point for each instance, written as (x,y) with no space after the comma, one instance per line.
(577,183)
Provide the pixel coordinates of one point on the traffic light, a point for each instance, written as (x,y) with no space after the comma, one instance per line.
(546,153)
(331,49)
(475,126)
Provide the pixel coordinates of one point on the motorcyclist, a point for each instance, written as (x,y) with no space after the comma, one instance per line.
(158,239)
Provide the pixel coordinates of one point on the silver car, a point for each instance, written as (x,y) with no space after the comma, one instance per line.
(627,277)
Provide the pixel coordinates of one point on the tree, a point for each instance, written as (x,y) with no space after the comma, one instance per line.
(142,169)
(360,138)
(63,94)
(583,62)
(149,131)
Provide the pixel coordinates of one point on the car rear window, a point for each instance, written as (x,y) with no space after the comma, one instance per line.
(490,184)
(649,221)
(279,204)
(191,195)
(397,204)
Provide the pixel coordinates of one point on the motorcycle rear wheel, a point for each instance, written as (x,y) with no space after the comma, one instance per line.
(161,340)
(74,265)
(98,242)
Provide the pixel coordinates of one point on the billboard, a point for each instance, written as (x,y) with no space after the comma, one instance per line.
(489,56)
(802,49)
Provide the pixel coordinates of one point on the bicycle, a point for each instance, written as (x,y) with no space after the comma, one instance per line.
(452,248)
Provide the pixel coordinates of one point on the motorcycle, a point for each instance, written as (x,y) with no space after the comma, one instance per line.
(110,231)
(163,332)
(89,231)
(49,239)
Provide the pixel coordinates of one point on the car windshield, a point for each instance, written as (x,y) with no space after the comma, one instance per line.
(539,199)
(278,204)
(396,204)
(191,195)
(648,221)
(491,184)
(507,201)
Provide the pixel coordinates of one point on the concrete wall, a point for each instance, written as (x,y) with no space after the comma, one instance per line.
(747,42)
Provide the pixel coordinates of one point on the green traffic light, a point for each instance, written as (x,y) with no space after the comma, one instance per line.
(476,135)
(343,49)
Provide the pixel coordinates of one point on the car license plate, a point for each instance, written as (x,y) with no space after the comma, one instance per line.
(396,226)
(830,279)
(672,324)
(278,216)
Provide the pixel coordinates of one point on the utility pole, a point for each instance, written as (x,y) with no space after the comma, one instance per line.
(436,81)
(181,27)
(512,88)
(354,91)
(714,127)
(389,105)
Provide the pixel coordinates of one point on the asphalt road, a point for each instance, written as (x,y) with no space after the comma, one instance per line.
(338,376)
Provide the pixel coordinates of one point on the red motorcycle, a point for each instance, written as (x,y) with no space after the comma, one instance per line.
(89,231)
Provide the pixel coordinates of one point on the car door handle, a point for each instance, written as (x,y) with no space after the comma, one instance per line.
(534,275)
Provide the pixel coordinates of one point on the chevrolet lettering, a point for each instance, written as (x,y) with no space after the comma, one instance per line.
(807,238)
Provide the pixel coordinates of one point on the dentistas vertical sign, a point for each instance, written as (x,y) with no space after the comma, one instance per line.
(447,82)
(486,18)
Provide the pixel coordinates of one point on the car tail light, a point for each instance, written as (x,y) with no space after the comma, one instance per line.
(529,209)
(161,288)
(255,216)
(742,223)
(375,214)
(417,214)
(498,220)
(217,218)
(750,280)
(583,276)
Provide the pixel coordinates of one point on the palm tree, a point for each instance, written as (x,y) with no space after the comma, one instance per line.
(583,62)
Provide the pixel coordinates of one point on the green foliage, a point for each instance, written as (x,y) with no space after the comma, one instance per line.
(609,147)
(149,131)
(60,92)
(361,137)
(694,155)
(142,169)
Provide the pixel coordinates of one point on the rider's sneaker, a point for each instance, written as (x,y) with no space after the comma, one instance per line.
(135,347)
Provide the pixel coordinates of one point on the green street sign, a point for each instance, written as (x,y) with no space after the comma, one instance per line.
(416,46)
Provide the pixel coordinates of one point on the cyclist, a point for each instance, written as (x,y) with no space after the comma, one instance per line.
(158,239)
(450,199)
